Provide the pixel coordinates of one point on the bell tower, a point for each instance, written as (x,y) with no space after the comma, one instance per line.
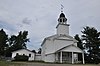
(62,27)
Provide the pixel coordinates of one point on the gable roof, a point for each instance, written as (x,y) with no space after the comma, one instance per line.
(23,49)
(58,37)
(72,45)
(81,51)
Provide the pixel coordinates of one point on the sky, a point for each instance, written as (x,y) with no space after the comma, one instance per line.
(39,17)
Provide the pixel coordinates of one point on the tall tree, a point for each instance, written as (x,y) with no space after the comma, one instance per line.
(20,40)
(11,42)
(91,39)
(17,42)
(39,50)
(80,45)
(3,42)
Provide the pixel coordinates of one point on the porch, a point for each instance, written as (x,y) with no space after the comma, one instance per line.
(68,57)
(69,54)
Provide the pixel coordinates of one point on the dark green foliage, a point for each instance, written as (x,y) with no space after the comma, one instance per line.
(80,45)
(91,38)
(21,58)
(13,43)
(17,42)
(3,42)
(91,41)
(39,50)
(89,58)
(33,51)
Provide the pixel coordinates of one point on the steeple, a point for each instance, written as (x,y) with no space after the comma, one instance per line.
(62,19)
(62,8)
(62,27)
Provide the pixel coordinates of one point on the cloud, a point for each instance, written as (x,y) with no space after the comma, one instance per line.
(26,21)
(39,17)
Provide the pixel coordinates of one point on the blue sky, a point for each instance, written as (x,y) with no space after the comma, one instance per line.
(39,17)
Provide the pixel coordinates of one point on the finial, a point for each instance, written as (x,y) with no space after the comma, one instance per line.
(62,8)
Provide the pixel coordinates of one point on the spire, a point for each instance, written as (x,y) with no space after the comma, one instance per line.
(62,8)
(62,19)
(62,27)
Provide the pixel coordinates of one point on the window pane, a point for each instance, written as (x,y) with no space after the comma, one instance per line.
(29,55)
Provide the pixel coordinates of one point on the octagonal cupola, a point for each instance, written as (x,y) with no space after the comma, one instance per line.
(62,27)
(62,19)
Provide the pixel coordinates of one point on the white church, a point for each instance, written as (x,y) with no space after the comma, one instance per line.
(61,47)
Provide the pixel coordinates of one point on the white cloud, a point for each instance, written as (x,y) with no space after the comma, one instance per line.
(42,16)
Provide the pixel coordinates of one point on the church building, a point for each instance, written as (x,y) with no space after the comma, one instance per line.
(61,47)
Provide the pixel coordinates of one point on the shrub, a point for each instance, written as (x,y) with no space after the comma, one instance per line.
(21,58)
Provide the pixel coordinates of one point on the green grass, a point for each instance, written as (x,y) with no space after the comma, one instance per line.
(3,63)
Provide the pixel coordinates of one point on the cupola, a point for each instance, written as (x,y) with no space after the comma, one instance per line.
(62,19)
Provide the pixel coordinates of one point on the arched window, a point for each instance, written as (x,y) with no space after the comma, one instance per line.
(60,20)
(63,20)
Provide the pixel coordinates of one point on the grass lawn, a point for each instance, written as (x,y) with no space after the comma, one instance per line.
(3,63)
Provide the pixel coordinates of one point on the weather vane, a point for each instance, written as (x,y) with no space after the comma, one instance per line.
(62,8)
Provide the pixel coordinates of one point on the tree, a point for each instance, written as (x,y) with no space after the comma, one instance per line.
(10,47)
(20,40)
(3,42)
(91,40)
(39,51)
(34,51)
(17,42)
(80,45)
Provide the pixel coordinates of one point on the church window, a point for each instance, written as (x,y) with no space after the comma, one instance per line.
(63,20)
(29,55)
(60,20)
